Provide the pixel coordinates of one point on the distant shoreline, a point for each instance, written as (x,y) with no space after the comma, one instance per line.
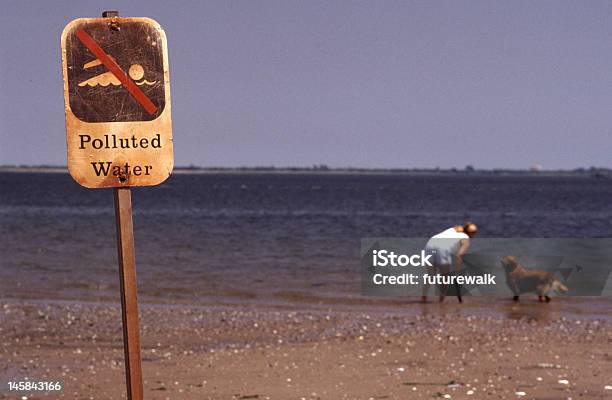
(580,172)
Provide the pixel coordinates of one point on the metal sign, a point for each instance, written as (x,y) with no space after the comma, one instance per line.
(117,102)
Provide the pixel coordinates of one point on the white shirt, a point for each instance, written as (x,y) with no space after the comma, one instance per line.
(444,245)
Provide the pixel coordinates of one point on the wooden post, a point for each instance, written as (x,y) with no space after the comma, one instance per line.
(129,302)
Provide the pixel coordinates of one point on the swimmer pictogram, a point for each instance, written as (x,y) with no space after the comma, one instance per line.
(116,71)
(115,75)
(136,72)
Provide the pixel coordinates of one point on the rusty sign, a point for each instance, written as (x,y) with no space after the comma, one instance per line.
(117,102)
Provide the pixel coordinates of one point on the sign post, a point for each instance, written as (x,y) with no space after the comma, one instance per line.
(129,301)
(119,133)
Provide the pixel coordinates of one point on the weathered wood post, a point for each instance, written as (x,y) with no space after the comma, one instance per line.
(129,291)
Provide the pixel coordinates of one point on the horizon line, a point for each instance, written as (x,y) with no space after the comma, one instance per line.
(324,167)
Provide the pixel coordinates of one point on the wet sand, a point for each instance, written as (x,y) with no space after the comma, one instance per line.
(526,350)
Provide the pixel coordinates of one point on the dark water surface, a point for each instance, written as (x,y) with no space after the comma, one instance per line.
(262,237)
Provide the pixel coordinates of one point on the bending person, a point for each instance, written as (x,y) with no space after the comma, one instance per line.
(448,248)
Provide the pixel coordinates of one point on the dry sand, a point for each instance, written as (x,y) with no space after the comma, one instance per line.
(435,351)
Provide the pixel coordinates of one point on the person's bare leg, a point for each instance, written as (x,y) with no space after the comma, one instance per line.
(430,271)
(443,270)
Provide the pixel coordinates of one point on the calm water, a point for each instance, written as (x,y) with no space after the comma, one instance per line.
(260,237)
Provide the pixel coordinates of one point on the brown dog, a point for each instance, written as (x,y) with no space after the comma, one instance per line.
(524,280)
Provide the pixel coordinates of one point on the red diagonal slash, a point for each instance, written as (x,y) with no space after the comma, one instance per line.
(117,71)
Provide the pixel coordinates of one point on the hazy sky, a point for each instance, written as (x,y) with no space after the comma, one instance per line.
(343,83)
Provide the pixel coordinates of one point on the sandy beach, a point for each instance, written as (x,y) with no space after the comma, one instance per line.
(425,351)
